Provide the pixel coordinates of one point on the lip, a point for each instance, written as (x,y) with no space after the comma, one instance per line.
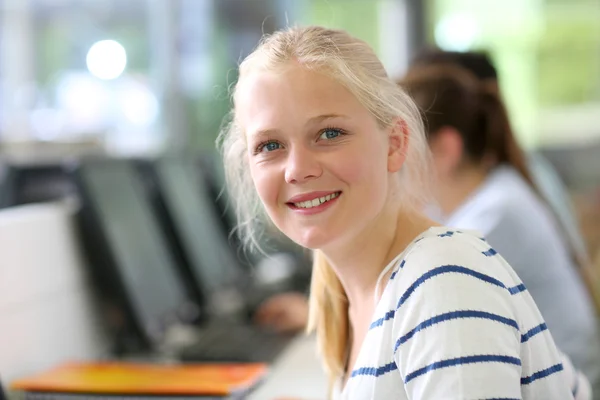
(311,196)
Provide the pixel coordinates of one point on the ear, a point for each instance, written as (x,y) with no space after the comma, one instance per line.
(398,145)
(447,149)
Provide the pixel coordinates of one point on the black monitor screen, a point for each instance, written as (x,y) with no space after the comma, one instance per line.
(132,232)
(197,219)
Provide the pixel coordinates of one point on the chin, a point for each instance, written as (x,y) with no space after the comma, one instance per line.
(313,240)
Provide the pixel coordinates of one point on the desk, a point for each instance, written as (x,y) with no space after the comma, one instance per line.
(297,373)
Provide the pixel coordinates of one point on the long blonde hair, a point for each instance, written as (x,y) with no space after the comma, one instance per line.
(352,63)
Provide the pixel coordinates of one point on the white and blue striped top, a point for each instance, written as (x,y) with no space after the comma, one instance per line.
(455,322)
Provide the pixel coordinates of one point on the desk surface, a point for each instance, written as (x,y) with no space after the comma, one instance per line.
(297,373)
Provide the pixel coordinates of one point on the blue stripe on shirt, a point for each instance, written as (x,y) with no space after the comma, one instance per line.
(489,253)
(532,332)
(541,374)
(375,371)
(379,322)
(488,358)
(443,270)
(438,271)
(455,315)
(396,271)
(517,289)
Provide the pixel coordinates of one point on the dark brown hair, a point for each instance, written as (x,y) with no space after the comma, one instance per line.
(478,63)
(450,96)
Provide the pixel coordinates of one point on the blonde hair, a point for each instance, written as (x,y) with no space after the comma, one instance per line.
(352,63)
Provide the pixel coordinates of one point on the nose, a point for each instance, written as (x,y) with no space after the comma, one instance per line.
(301,165)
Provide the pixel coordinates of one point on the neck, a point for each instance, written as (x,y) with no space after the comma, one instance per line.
(359,262)
(454,192)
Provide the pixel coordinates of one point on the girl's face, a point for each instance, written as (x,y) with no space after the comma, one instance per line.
(321,164)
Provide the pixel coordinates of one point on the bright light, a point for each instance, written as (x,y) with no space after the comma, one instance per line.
(456,32)
(106,59)
(137,103)
(86,100)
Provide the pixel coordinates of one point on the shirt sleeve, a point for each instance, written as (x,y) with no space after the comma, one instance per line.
(579,384)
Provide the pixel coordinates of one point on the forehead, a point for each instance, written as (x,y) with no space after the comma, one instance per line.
(268,100)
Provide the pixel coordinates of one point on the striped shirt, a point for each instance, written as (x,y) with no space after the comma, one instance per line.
(455,322)
(508,213)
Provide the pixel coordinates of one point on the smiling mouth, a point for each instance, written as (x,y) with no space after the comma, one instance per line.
(315,202)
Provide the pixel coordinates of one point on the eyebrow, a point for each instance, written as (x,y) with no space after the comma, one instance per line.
(320,118)
(311,121)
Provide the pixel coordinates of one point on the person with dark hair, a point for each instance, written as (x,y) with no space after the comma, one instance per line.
(544,176)
(484,184)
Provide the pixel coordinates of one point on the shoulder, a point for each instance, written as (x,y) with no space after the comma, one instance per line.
(449,271)
(446,247)
(457,317)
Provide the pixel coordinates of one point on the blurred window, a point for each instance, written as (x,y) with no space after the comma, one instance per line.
(548,57)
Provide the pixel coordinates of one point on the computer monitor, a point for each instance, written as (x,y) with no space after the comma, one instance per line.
(25,183)
(212,176)
(128,250)
(197,224)
(7,186)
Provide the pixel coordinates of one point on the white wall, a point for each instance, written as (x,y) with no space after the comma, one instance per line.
(46,313)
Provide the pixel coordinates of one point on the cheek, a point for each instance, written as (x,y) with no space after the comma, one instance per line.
(266,185)
(366,167)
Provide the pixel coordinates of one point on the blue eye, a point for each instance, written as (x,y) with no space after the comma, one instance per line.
(330,133)
(269,146)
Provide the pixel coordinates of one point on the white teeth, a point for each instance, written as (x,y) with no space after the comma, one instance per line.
(316,202)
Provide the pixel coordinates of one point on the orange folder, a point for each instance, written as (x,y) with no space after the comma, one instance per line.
(120,378)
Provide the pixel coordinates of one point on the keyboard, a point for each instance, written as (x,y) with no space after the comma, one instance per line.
(235,343)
